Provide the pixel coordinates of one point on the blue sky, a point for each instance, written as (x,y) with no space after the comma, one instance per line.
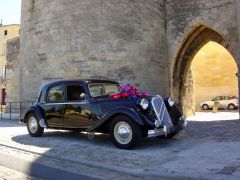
(10,11)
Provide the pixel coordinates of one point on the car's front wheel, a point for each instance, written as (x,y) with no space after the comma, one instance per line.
(231,107)
(125,133)
(34,129)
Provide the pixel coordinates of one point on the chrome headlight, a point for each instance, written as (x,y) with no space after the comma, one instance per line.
(157,123)
(144,104)
(171,102)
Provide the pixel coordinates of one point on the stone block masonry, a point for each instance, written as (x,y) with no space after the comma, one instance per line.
(121,40)
(149,43)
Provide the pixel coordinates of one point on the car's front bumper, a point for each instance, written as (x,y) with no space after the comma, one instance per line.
(166,131)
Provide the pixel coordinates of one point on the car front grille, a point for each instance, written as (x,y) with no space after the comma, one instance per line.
(161,111)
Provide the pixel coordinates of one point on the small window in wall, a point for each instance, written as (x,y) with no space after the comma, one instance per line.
(5,33)
(4,96)
(55,94)
(74,92)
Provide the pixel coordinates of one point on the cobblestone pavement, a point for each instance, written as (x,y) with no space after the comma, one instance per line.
(205,150)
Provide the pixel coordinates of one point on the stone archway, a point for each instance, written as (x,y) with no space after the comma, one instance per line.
(182,77)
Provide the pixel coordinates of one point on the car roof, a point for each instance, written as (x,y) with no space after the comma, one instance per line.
(81,81)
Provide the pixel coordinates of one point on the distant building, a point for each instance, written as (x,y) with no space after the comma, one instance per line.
(7,32)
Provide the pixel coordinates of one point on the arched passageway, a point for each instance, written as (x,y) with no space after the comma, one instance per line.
(183,81)
(213,72)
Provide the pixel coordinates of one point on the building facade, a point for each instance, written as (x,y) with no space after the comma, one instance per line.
(149,43)
(7,32)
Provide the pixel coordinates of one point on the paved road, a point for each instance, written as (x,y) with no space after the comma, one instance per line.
(7,173)
(206,150)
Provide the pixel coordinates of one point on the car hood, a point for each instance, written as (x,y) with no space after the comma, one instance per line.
(206,102)
(106,105)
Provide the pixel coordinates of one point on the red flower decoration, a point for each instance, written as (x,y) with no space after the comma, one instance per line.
(115,96)
(129,91)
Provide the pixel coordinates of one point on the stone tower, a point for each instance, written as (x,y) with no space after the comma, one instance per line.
(123,40)
(150,43)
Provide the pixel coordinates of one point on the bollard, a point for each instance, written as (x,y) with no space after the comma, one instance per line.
(215,106)
(10,111)
(20,111)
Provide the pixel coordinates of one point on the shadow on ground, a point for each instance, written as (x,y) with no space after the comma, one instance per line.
(151,154)
(196,131)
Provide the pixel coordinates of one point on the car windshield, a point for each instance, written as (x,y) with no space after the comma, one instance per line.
(103,89)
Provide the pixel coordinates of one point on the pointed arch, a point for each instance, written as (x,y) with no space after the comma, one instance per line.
(193,42)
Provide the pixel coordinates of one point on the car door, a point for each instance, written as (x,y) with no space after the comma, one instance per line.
(225,101)
(216,99)
(54,106)
(221,101)
(77,111)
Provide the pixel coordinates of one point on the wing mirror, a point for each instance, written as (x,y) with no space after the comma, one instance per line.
(82,96)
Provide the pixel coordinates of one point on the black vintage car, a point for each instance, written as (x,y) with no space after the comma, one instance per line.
(85,105)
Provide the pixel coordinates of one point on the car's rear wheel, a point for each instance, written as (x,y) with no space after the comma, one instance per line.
(34,129)
(205,107)
(231,107)
(125,133)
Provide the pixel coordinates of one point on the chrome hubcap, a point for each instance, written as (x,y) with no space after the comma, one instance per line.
(33,125)
(123,132)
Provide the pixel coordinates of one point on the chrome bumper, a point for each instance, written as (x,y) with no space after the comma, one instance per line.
(165,131)
(156,132)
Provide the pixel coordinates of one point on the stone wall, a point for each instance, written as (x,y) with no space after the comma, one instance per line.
(121,40)
(12,73)
(184,16)
(187,95)
(150,43)
(191,24)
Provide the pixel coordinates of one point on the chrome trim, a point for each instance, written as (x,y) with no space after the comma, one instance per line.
(171,102)
(123,132)
(33,125)
(144,101)
(183,119)
(66,103)
(161,111)
(156,132)
(42,123)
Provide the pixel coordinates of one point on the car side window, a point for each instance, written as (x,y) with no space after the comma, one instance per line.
(74,92)
(225,97)
(216,98)
(55,94)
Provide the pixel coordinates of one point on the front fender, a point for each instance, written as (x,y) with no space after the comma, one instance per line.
(120,111)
